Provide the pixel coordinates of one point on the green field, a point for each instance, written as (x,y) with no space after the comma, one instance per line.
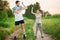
(50,26)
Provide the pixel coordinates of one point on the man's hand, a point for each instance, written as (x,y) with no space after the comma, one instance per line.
(25,7)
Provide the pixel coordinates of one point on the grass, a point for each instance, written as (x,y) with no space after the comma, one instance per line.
(50,26)
(28,26)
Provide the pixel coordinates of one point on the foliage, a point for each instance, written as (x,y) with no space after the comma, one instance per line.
(47,13)
(56,16)
(28,13)
(9,13)
(3,15)
(3,4)
(3,34)
(35,7)
(52,26)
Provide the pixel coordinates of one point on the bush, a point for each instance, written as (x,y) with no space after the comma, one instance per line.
(9,13)
(3,15)
(3,34)
(5,25)
(3,5)
(56,16)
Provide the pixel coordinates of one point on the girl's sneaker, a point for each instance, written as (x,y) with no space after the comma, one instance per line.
(15,38)
(24,36)
(42,36)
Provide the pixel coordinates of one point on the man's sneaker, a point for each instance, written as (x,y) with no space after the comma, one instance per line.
(24,36)
(15,38)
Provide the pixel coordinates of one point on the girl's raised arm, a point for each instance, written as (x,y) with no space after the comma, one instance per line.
(32,11)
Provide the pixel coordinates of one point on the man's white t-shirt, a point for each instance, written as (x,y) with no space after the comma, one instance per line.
(18,16)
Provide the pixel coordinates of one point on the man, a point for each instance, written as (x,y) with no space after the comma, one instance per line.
(19,16)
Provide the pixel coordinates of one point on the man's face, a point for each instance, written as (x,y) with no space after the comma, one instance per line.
(18,4)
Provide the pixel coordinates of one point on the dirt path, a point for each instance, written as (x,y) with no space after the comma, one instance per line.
(46,36)
(11,37)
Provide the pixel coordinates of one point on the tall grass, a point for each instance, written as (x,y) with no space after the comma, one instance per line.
(51,25)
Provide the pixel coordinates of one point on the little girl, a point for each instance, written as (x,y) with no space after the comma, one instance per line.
(38,22)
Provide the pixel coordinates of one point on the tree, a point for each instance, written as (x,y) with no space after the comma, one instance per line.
(35,7)
(3,4)
(9,13)
(5,11)
(28,13)
(47,14)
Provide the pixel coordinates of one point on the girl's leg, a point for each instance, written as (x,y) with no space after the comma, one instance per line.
(36,29)
(41,30)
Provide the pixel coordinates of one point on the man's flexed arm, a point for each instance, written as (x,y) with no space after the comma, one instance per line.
(17,11)
(24,7)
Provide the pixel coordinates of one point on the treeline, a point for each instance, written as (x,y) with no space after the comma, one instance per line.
(6,12)
(36,6)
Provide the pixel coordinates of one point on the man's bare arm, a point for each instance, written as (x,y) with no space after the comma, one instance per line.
(17,11)
(25,7)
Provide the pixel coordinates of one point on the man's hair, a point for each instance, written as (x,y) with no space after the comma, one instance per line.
(17,2)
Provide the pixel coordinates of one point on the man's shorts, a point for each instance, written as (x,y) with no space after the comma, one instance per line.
(19,22)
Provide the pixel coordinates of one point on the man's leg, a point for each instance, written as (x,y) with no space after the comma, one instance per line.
(15,32)
(16,28)
(23,30)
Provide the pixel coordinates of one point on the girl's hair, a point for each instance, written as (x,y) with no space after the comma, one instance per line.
(40,10)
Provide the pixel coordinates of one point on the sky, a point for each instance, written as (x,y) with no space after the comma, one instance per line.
(52,6)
